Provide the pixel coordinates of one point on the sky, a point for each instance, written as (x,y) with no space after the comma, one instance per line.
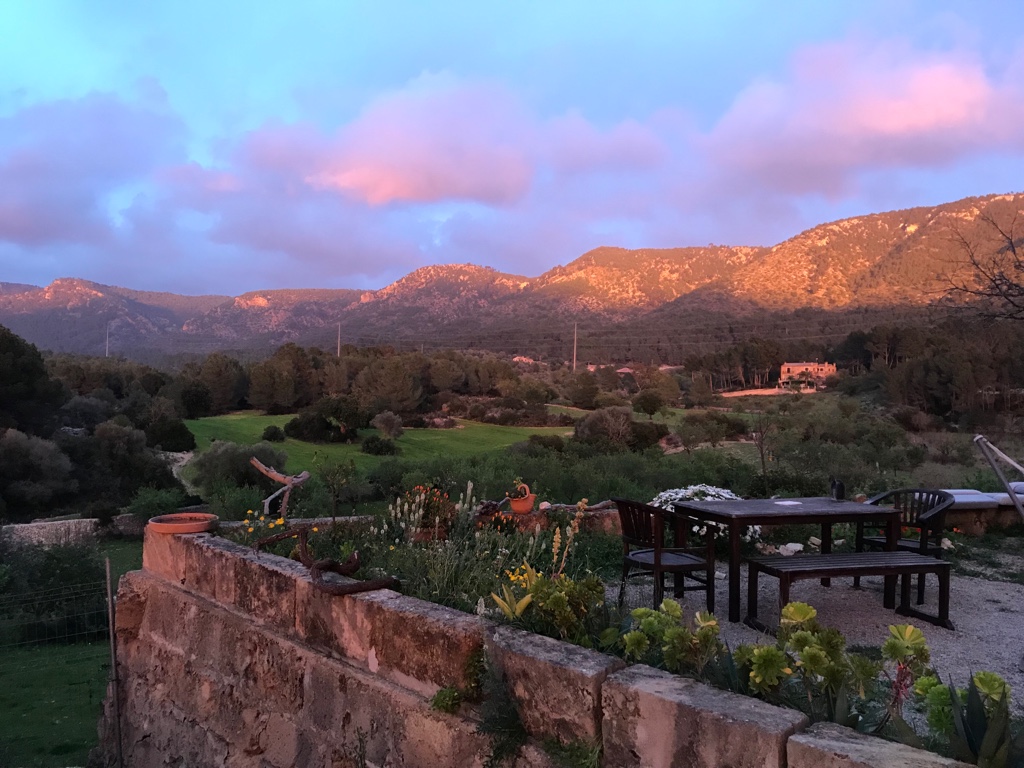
(222,147)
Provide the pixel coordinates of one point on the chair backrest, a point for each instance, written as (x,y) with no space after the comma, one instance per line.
(919,507)
(639,523)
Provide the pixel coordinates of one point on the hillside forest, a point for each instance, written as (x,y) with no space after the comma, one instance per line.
(85,435)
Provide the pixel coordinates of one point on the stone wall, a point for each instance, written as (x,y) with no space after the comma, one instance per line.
(231,658)
(50,534)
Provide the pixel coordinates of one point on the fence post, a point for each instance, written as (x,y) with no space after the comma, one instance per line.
(113,666)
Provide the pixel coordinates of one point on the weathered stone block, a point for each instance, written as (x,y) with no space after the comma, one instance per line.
(556,685)
(164,555)
(265,587)
(130,606)
(655,719)
(209,566)
(340,625)
(414,643)
(826,745)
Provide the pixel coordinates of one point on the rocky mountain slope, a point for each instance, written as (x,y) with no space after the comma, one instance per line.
(860,265)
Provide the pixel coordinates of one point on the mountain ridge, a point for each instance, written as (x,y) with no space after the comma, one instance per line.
(905,258)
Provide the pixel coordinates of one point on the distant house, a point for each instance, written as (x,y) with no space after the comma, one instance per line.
(813,373)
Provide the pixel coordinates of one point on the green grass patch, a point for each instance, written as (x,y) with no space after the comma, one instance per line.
(125,555)
(50,703)
(469,439)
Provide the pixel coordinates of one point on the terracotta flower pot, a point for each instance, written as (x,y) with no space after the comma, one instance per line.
(523,505)
(183,522)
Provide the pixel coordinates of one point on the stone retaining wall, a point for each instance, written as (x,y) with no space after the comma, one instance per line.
(51,534)
(227,657)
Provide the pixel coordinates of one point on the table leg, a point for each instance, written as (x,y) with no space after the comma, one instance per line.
(892,537)
(826,547)
(734,571)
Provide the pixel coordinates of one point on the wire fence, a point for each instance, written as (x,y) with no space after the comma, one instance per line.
(54,667)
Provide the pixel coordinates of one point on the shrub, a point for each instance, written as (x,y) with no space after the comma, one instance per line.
(232,502)
(611,425)
(313,427)
(170,435)
(273,434)
(389,424)
(150,502)
(646,434)
(379,446)
(228,464)
(386,478)
(54,593)
(552,442)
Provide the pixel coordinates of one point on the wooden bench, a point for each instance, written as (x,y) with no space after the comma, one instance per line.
(902,564)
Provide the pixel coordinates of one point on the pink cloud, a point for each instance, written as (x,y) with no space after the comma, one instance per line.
(574,145)
(846,108)
(438,139)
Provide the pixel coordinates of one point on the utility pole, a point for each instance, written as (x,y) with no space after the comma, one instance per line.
(107,352)
(574,347)
(339,339)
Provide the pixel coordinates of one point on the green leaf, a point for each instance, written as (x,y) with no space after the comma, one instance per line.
(797,613)
(996,738)
(977,720)
(904,733)
(959,740)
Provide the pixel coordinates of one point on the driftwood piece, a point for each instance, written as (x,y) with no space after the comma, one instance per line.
(575,507)
(317,568)
(289,482)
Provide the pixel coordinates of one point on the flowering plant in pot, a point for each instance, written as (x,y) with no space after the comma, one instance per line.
(520,498)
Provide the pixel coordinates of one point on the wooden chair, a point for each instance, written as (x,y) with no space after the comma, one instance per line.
(921,508)
(644,551)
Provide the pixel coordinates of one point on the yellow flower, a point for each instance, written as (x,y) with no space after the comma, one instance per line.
(392,547)
(250,530)
(315,529)
(270,526)
(280,521)
(261,518)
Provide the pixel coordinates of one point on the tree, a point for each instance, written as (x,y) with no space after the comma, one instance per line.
(583,389)
(225,379)
(34,475)
(614,425)
(389,424)
(338,477)
(446,375)
(649,401)
(388,384)
(764,426)
(995,266)
(28,396)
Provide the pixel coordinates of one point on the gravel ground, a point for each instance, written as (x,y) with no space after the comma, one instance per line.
(988,616)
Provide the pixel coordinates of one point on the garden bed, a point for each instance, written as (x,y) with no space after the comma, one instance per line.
(481,570)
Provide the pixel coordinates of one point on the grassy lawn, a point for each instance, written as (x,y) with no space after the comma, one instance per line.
(471,438)
(124,556)
(51,694)
(50,703)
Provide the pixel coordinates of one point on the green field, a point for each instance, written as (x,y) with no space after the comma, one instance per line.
(50,702)
(468,439)
(51,695)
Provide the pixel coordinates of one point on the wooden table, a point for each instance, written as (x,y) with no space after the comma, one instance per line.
(740,513)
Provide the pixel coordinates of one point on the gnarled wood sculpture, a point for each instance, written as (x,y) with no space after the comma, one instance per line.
(317,568)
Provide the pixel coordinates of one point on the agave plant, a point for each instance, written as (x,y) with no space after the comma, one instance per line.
(982,735)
